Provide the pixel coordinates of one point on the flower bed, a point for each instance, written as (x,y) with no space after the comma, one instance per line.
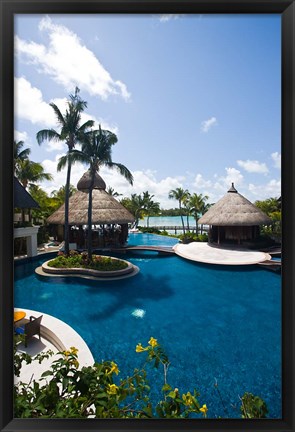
(75,263)
(76,260)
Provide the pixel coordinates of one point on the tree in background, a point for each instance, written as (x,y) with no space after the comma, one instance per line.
(19,154)
(272,207)
(180,195)
(25,170)
(197,203)
(60,194)
(29,172)
(150,207)
(112,192)
(72,133)
(135,205)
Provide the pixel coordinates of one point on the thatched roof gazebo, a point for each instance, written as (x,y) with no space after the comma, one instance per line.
(234,219)
(107,213)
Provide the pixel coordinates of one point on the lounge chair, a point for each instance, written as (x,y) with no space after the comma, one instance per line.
(31,328)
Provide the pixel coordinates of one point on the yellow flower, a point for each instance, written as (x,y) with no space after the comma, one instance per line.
(113,389)
(204,410)
(66,353)
(114,368)
(153,342)
(76,363)
(187,399)
(140,348)
(74,350)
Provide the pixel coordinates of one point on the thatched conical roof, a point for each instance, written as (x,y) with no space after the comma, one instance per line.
(234,210)
(105,208)
(85,182)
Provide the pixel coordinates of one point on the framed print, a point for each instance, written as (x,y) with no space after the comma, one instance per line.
(147,235)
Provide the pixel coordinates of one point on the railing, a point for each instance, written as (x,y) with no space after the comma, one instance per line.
(178,228)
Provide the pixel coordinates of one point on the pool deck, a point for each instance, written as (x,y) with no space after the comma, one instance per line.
(222,255)
(57,336)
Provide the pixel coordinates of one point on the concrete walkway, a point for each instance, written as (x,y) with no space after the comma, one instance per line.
(57,336)
(222,255)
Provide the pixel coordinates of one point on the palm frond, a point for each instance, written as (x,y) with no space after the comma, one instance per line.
(48,135)
(123,170)
(57,112)
(88,124)
(72,157)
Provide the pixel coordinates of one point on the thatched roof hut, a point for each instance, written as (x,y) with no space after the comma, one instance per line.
(105,208)
(234,217)
(108,215)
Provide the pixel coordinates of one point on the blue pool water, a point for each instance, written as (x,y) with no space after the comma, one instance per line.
(217,324)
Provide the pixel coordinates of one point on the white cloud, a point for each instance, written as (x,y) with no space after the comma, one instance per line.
(272,189)
(169,17)
(56,59)
(201,183)
(143,181)
(208,124)
(59,178)
(29,104)
(276,157)
(21,136)
(232,176)
(99,121)
(253,166)
(216,187)
(148,180)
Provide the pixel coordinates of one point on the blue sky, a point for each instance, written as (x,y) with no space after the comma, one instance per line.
(195,100)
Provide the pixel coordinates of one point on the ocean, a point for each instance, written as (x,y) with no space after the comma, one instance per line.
(169,221)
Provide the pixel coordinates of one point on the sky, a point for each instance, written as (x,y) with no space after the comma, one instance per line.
(195,100)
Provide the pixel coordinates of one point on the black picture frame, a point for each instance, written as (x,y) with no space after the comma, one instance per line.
(287,10)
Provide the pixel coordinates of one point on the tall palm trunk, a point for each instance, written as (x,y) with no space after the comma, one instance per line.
(148,221)
(187,221)
(89,234)
(181,217)
(67,198)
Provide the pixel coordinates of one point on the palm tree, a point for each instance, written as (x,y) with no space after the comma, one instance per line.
(60,194)
(19,154)
(186,205)
(135,205)
(97,152)
(29,172)
(149,206)
(198,206)
(112,192)
(71,133)
(180,195)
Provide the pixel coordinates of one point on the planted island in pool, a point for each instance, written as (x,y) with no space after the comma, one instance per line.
(78,263)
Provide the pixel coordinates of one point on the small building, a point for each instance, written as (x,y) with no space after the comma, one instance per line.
(234,219)
(110,219)
(24,202)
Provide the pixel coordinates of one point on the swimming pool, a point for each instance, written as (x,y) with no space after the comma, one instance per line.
(216,323)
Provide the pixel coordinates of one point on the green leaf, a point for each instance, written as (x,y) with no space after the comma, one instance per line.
(166,387)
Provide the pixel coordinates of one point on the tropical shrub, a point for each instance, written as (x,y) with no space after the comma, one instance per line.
(189,237)
(149,230)
(253,406)
(76,260)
